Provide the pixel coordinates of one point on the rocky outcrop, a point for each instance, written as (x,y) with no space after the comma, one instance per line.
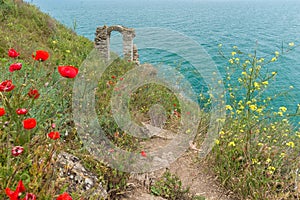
(73,175)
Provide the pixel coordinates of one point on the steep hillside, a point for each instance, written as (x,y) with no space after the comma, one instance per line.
(26,28)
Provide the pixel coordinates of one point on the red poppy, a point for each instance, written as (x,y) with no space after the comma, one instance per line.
(113,77)
(29,123)
(14,195)
(6,86)
(29,196)
(40,55)
(54,135)
(143,153)
(21,111)
(33,93)
(64,196)
(68,71)
(15,66)
(17,150)
(2,112)
(13,53)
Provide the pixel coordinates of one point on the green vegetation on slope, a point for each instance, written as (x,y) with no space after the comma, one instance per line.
(25,28)
(256,154)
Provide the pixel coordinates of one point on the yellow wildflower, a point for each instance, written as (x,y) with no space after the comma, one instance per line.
(273,59)
(254,161)
(291,44)
(256,85)
(233,53)
(253,107)
(268,160)
(276,53)
(273,127)
(265,82)
(290,144)
(283,109)
(271,169)
(217,141)
(228,107)
(231,144)
(259,110)
(282,155)
(280,113)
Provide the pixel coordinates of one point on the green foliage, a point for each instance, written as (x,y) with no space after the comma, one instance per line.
(26,29)
(198,198)
(257,153)
(34,165)
(169,186)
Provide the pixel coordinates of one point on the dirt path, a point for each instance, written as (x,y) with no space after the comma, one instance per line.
(192,173)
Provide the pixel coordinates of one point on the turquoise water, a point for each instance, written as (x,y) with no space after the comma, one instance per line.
(264,25)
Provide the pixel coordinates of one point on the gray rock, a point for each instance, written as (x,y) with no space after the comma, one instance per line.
(73,174)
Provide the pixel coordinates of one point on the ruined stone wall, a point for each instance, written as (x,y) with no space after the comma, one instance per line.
(102,42)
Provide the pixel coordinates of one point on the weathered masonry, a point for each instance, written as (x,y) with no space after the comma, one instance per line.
(102,41)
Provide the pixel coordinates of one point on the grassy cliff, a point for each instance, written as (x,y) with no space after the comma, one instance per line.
(26,28)
(256,154)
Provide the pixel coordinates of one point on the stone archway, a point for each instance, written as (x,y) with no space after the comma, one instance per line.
(102,41)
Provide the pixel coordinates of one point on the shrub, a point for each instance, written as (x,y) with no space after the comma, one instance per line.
(257,153)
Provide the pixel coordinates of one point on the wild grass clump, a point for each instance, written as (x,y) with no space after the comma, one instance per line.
(170,187)
(257,152)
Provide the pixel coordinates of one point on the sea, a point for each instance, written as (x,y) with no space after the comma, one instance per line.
(257,26)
